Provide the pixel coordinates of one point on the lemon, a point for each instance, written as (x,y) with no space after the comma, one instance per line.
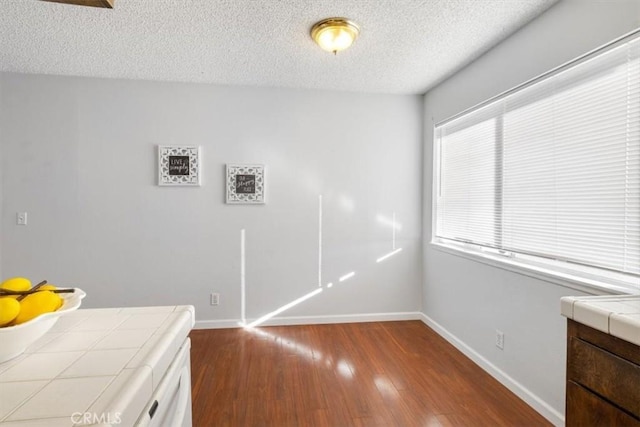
(35,304)
(51,288)
(9,309)
(16,284)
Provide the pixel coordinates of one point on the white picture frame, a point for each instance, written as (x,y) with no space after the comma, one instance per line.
(245,184)
(179,165)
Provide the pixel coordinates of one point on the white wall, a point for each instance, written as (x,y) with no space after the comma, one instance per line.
(468,300)
(1,187)
(80,158)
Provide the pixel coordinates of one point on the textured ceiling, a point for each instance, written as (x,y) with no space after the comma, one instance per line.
(405,46)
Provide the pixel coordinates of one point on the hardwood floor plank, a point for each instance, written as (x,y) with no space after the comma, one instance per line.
(359,374)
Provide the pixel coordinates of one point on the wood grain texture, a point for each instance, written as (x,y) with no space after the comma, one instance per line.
(614,378)
(586,409)
(358,374)
(603,379)
(612,344)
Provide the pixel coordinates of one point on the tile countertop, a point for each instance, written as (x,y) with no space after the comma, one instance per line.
(93,361)
(617,315)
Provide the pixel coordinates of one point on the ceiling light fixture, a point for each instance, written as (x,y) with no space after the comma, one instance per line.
(334,34)
(93,3)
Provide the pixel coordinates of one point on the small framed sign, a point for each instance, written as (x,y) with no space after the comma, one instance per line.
(178,165)
(245,184)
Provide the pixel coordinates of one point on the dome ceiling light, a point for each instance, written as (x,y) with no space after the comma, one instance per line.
(93,3)
(334,34)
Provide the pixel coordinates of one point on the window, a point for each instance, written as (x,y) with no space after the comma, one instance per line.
(547,176)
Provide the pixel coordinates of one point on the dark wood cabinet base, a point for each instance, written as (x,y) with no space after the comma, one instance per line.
(603,379)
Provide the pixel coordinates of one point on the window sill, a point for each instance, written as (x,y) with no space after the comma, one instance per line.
(567,280)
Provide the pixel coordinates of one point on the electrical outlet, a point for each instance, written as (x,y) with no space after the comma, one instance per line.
(21,218)
(500,339)
(215,299)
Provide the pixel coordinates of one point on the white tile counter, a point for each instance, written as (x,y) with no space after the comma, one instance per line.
(617,315)
(106,362)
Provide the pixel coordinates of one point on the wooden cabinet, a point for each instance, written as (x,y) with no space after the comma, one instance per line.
(603,379)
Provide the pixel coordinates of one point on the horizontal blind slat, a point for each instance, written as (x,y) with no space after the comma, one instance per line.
(552,169)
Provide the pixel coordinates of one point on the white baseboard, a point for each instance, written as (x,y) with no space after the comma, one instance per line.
(542,407)
(217,324)
(312,320)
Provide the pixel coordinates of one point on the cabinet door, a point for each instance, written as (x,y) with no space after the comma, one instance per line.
(614,378)
(586,409)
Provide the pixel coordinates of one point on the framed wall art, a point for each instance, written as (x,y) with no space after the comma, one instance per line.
(245,184)
(178,165)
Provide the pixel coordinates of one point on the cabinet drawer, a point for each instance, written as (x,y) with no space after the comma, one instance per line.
(585,409)
(615,379)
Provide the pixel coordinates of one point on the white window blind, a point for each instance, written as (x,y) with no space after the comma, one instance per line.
(550,170)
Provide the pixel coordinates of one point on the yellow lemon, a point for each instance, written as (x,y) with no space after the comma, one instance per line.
(51,288)
(9,309)
(35,304)
(16,284)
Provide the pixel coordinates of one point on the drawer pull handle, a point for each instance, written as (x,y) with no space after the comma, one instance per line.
(152,411)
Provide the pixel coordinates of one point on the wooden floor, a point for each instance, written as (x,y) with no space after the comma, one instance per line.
(358,374)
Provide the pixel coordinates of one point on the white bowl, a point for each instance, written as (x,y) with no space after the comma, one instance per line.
(14,340)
